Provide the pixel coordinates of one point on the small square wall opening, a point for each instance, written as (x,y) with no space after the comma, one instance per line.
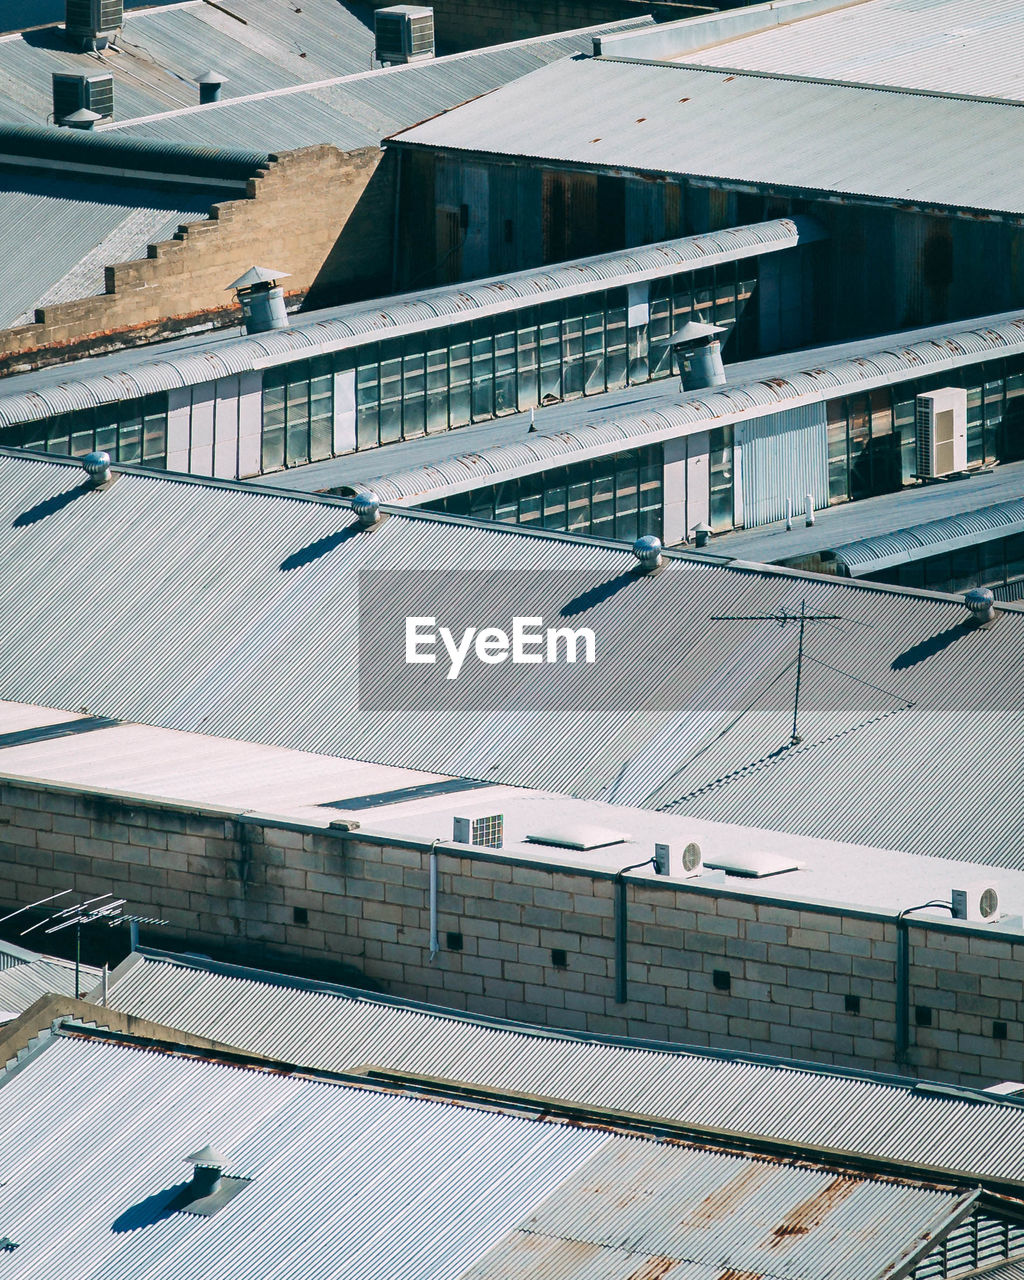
(559,958)
(454,941)
(721,979)
(922,1015)
(300,915)
(851,1004)
(999,1030)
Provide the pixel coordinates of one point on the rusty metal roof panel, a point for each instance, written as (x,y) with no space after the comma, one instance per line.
(377,1184)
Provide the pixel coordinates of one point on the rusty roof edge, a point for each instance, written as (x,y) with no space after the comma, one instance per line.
(665,1128)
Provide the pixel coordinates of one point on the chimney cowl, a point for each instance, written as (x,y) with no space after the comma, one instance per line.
(367,509)
(97,468)
(981,603)
(648,551)
(702,534)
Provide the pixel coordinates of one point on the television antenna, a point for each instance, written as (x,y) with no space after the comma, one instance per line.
(783,617)
(103,909)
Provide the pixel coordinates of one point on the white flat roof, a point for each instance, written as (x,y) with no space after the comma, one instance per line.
(295,786)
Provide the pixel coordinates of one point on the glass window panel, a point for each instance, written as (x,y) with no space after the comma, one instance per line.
(368,404)
(593,352)
(483,373)
(1014,546)
(659,329)
(905,428)
(414,389)
(297,419)
(572,357)
(651,502)
(550,361)
(273,427)
(616,347)
(460,373)
(58,438)
(578,505)
(860,447)
(129,439)
(530,502)
(390,400)
(154,438)
(437,389)
(626,499)
(720,466)
(554,501)
(528,393)
(505,372)
(704,292)
(603,502)
(82,442)
(975,426)
(106,437)
(993,415)
(506,504)
(682,299)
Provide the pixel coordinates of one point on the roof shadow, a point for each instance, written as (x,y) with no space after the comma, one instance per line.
(153,1209)
(314,550)
(50,506)
(933,645)
(603,591)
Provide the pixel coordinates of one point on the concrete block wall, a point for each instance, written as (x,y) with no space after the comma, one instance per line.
(293,218)
(707,965)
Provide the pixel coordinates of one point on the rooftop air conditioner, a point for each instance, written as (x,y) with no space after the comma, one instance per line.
(941,432)
(675,861)
(91,23)
(978,903)
(403,33)
(76,93)
(486,833)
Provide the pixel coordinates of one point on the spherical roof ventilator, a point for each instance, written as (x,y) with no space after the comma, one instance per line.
(981,603)
(648,552)
(97,468)
(366,507)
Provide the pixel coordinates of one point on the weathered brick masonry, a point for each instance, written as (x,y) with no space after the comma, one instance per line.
(216,876)
(320,214)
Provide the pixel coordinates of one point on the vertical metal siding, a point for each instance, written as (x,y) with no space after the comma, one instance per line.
(785,455)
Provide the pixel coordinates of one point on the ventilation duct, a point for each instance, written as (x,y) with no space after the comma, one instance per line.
(90,23)
(261,299)
(699,352)
(403,33)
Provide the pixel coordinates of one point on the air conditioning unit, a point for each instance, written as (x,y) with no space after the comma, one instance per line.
(485,833)
(685,862)
(91,23)
(941,432)
(977,902)
(75,93)
(403,33)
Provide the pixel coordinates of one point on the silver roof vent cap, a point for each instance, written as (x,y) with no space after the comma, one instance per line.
(981,603)
(648,551)
(367,509)
(83,118)
(210,83)
(97,468)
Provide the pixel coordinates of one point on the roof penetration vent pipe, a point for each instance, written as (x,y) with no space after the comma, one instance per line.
(981,603)
(97,468)
(207,1167)
(261,299)
(83,118)
(698,351)
(367,509)
(209,83)
(648,551)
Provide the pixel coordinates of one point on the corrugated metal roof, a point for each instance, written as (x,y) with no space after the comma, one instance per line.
(360,110)
(952,46)
(339,328)
(255,44)
(916,542)
(341,1029)
(267,588)
(750,128)
(78,228)
(666,419)
(375,1185)
(25,976)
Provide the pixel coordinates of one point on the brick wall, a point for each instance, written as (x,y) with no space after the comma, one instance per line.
(219,878)
(302,215)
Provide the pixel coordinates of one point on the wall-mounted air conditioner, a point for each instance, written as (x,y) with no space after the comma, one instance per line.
(76,93)
(976,902)
(486,833)
(941,432)
(672,860)
(403,33)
